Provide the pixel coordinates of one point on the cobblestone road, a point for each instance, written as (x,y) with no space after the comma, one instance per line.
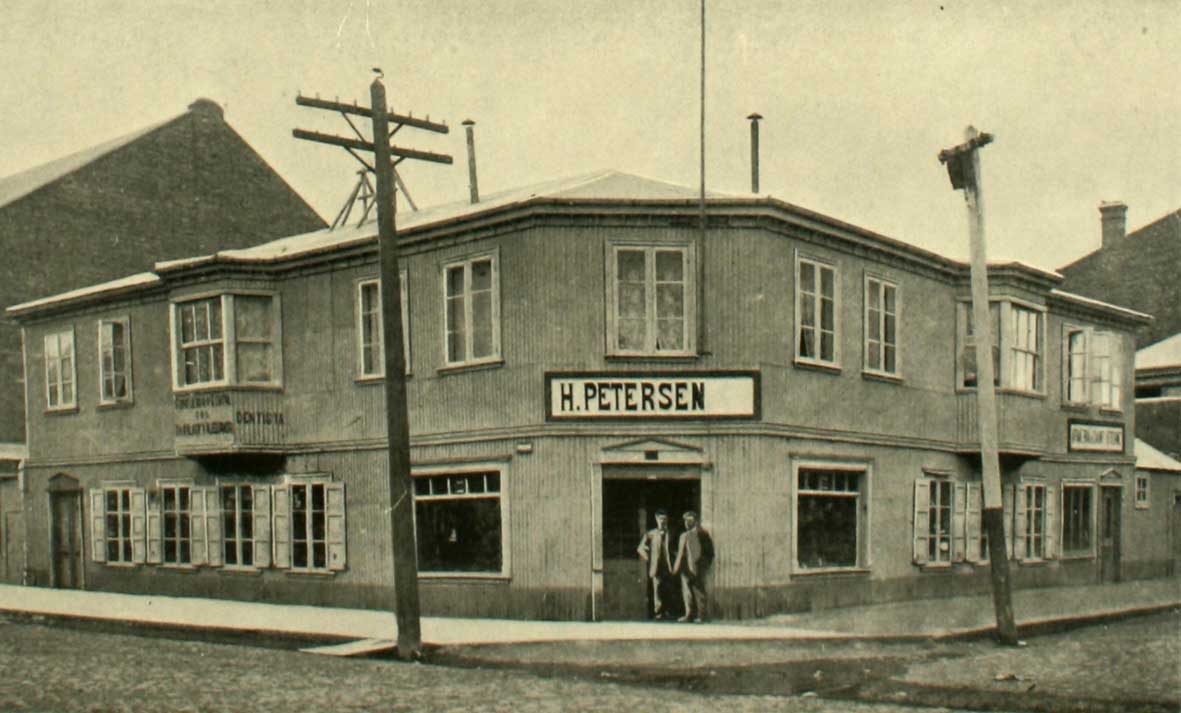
(53,668)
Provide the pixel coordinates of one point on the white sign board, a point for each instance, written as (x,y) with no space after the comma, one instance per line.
(1096,437)
(657,395)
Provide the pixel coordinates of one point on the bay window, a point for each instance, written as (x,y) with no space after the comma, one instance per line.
(227,339)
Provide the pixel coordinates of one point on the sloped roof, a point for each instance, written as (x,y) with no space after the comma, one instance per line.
(1162,355)
(1149,458)
(19,185)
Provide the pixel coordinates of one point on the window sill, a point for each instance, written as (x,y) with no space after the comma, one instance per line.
(114,405)
(1142,506)
(315,573)
(187,568)
(652,357)
(61,410)
(881,376)
(122,565)
(238,570)
(1076,406)
(830,571)
(473,366)
(818,366)
(226,386)
(479,576)
(374,379)
(1111,412)
(1021,392)
(936,566)
(1073,556)
(1034,563)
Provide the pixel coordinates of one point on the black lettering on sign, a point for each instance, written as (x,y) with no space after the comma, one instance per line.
(682,404)
(698,395)
(589,391)
(629,397)
(567,391)
(666,395)
(646,391)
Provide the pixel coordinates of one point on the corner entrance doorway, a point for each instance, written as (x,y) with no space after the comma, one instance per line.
(631,497)
(65,534)
(1109,533)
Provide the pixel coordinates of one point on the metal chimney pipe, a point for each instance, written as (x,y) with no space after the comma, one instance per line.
(754,152)
(468,124)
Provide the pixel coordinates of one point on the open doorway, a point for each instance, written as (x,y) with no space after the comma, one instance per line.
(631,496)
(65,534)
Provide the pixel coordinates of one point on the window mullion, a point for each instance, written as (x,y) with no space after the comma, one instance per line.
(651,326)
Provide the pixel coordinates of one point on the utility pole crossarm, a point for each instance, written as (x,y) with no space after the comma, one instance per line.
(359,145)
(424,124)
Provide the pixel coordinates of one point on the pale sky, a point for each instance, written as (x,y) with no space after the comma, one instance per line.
(858,98)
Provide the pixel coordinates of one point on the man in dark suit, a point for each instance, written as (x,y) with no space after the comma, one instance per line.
(695,554)
(656,549)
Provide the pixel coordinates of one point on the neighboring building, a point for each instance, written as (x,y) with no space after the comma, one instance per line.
(185,185)
(1158,394)
(1157,498)
(578,355)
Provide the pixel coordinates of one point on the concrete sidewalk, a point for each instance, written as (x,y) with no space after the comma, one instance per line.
(914,619)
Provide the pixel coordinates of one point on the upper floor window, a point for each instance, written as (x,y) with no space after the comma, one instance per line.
(472,293)
(651,301)
(227,339)
(114,360)
(1018,334)
(816,308)
(370,337)
(881,326)
(60,373)
(1092,366)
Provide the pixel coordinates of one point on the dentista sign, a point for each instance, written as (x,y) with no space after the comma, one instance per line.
(652,395)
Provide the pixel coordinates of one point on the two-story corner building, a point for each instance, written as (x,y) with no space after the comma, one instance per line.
(579,354)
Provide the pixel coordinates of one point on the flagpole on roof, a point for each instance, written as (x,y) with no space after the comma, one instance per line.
(700,326)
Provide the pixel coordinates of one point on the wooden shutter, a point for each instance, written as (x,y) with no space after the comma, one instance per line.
(214,537)
(138,526)
(959,522)
(1021,526)
(922,520)
(98,529)
(334,512)
(262,526)
(281,531)
(198,541)
(974,523)
(155,535)
(1008,501)
(1051,528)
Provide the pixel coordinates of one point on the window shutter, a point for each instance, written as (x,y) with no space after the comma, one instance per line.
(155,535)
(281,533)
(1051,540)
(1009,504)
(138,528)
(262,526)
(198,541)
(334,510)
(98,530)
(1021,526)
(959,522)
(922,520)
(213,528)
(973,523)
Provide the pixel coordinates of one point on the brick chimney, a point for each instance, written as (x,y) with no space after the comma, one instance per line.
(1114,220)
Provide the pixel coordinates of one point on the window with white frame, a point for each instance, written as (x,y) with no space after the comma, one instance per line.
(1142,492)
(1034,521)
(881,326)
(459,522)
(1075,355)
(1107,371)
(370,337)
(830,523)
(651,300)
(176,516)
(226,339)
(472,313)
(309,527)
(967,341)
(934,531)
(816,312)
(1024,349)
(117,517)
(114,360)
(1078,520)
(60,373)
(237,512)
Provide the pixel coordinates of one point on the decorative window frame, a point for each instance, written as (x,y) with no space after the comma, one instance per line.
(689,266)
(103,398)
(378,373)
(501,468)
(62,406)
(957,534)
(136,532)
(466,262)
(261,526)
(1093,521)
(335,524)
(820,264)
(229,341)
(883,283)
(864,512)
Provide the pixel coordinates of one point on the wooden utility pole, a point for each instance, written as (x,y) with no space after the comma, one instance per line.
(406,605)
(963,167)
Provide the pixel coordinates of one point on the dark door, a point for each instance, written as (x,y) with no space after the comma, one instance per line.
(629,507)
(1109,534)
(65,540)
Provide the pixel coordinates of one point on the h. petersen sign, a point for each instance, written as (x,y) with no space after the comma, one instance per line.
(652,395)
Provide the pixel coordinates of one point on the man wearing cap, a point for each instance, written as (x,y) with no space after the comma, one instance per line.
(695,553)
(655,549)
